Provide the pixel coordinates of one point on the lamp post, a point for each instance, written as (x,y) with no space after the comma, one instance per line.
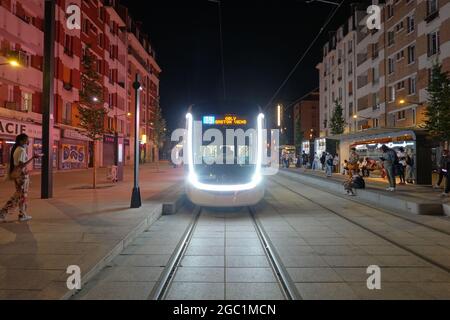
(11,62)
(48,100)
(136,194)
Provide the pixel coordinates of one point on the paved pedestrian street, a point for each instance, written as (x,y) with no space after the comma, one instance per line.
(322,244)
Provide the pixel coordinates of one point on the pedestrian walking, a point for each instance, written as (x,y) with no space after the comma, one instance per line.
(18,172)
(329,165)
(323,158)
(316,161)
(442,168)
(336,163)
(390,160)
(447,180)
(401,166)
(410,170)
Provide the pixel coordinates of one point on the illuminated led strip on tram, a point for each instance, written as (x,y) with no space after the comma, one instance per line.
(193,179)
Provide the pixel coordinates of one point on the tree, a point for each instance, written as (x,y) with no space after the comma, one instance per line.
(159,130)
(298,132)
(438,111)
(91,111)
(337,122)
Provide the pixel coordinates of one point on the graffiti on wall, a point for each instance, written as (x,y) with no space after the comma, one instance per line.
(73,156)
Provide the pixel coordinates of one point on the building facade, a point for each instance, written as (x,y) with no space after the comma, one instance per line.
(380,77)
(105,30)
(306,120)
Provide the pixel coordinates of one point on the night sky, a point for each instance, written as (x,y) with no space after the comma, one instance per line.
(263,40)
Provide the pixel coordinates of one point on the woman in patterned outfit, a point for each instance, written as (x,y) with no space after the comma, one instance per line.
(18,172)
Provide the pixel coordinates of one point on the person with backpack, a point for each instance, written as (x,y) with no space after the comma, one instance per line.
(323,160)
(18,172)
(390,161)
(442,168)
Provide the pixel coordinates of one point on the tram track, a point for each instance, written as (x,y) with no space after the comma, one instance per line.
(287,286)
(376,233)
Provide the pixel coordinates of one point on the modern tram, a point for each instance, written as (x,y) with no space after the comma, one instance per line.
(224,153)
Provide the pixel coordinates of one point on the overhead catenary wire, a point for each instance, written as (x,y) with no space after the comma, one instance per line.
(294,69)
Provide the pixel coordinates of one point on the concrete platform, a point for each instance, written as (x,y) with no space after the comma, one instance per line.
(403,201)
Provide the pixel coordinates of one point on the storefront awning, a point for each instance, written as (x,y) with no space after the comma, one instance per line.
(380,133)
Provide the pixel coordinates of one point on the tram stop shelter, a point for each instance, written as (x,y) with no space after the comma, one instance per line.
(416,142)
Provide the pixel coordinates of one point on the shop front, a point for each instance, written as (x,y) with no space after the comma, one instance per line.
(109,145)
(9,129)
(322,145)
(416,143)
(74,150)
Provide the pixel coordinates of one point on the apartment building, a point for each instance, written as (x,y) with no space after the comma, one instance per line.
(306,117)
(380,76)
(105,29)
(142,62)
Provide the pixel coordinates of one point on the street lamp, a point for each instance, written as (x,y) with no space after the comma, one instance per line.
(404,101)
(136,194)
(11,62)
(355,116)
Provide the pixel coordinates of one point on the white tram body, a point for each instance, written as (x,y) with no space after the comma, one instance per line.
(226,185)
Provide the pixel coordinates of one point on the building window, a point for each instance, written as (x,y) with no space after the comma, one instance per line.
(374,50)
(410,24)
(67,113)
(411,54)
(376,123)
(350,46)
(391,94)
(390,65)
(68,45)
(401,115)
(350,88)
(350,67)
(390,38)
(432,7)
(390,11)
(412,86)
(375,101)
(433,43)
(375,75)
(400,85)
(399,27)
(27,101)
(400,55)
(350,109)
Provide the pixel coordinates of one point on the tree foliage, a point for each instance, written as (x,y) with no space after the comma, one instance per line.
(438,111)
(298,132)
(337,121)
(91,111)
(159,127)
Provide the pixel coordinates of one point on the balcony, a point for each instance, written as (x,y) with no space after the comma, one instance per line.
(431,16)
